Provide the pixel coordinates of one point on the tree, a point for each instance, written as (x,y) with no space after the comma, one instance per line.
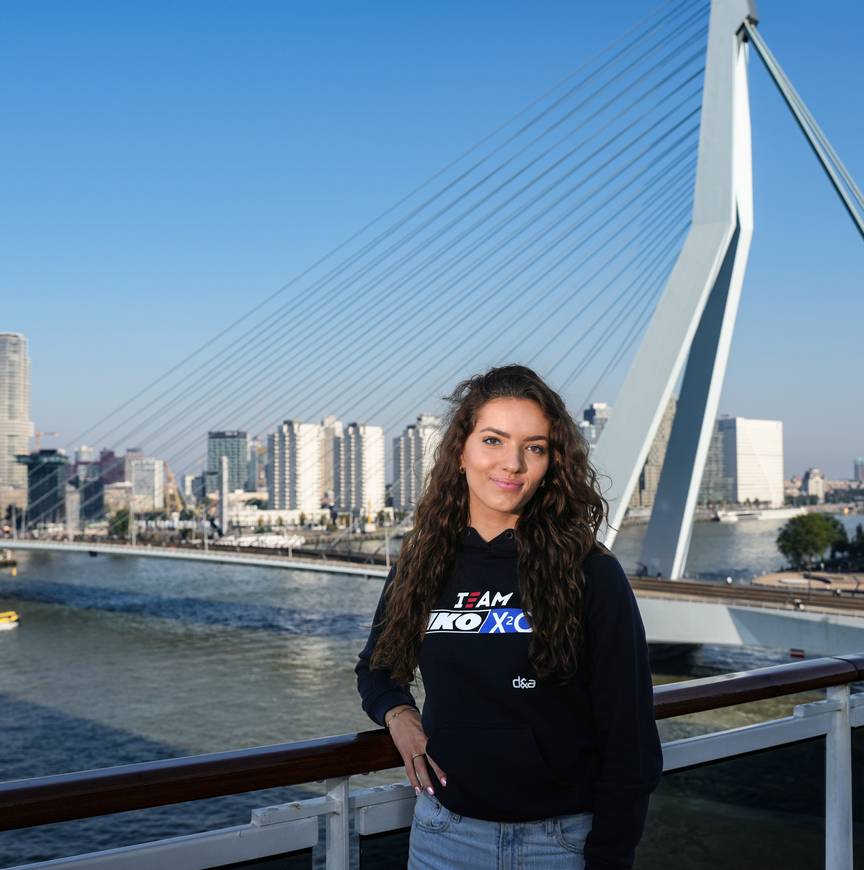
(120,523)
(856,545)
(302,519)
(840,541)
(805,538)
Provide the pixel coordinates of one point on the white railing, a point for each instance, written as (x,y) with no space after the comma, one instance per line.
(344,814)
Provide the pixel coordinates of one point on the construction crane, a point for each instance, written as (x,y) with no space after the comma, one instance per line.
(174,500)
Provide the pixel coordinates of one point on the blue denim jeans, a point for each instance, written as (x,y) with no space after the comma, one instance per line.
(443,840)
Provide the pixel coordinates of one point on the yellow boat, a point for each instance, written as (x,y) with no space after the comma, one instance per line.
(8,619)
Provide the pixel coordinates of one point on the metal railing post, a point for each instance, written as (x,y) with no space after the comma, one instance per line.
(838,784)
(337,826)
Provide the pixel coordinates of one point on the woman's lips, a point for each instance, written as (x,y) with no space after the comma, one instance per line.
(508,487)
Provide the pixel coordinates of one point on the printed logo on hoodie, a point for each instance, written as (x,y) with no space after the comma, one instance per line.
(479,613)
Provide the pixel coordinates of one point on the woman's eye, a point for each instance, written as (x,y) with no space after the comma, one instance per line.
(535,448)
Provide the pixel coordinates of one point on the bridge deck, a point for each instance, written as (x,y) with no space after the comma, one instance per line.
(815,599)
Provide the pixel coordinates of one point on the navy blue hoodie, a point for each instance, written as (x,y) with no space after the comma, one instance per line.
(515,748)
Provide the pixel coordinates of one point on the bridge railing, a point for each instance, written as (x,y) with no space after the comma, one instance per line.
(337,824)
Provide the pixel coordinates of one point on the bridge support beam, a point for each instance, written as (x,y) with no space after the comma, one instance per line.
(694,320)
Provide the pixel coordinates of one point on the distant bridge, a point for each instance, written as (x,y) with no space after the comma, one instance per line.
(697,612)
(235,556)
(685,612)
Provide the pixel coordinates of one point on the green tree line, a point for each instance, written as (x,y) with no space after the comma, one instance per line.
(806,539)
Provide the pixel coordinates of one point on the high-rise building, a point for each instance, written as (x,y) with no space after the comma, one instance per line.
(753,458)
(413,458)
(47,474)
(294,467)
(814,484)
(147,477)
(858,469)
(645,490)
(88,480)
(331,429)
(199,487)
(234,445)
(16,428)
(255,464)
(188,487)
(359,470)
(85,454)
(716,487)
(112,466)
(132,453)
(594,418)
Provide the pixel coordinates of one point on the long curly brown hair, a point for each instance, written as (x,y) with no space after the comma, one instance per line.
(555,531)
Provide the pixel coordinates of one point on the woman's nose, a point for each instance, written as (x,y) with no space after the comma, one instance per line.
(514,460)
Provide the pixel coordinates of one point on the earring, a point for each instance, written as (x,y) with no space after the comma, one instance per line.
(543,482)
(461,469)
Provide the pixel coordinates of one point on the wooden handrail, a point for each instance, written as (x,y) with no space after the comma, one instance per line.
(727,690)
(62,797)
(65,796)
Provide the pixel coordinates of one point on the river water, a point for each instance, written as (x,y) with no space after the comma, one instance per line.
(119,660)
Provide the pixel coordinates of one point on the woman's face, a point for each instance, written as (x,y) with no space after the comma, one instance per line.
(505,458)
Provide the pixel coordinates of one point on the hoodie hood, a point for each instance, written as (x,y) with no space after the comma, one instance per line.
(502,545)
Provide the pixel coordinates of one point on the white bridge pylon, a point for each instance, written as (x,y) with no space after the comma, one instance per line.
(691,329)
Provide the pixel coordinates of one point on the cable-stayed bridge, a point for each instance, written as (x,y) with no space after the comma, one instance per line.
(606,223)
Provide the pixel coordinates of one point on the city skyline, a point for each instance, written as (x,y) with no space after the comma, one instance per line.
(88,359)
(744,466)
(590,420)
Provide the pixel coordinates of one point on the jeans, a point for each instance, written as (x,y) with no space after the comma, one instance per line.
(443,840)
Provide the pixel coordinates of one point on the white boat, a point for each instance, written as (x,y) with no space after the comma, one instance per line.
(781,513)
(726,516)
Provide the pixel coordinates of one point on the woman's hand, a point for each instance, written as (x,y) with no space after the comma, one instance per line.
(410,739)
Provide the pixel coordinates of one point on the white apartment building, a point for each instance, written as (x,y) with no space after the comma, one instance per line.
(84,454)
(814,484)
(132,454)
(331,429)
(359,469)
(147,477)
(413,458)
(294,467)
(753,458)
(16,428)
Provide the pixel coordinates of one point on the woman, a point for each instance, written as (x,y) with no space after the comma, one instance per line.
(537,746)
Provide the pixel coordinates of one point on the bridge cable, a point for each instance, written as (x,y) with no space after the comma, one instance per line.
(269,324)
(222,387)
(815,140)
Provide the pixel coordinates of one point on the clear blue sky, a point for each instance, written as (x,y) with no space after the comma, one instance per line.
(166,165)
